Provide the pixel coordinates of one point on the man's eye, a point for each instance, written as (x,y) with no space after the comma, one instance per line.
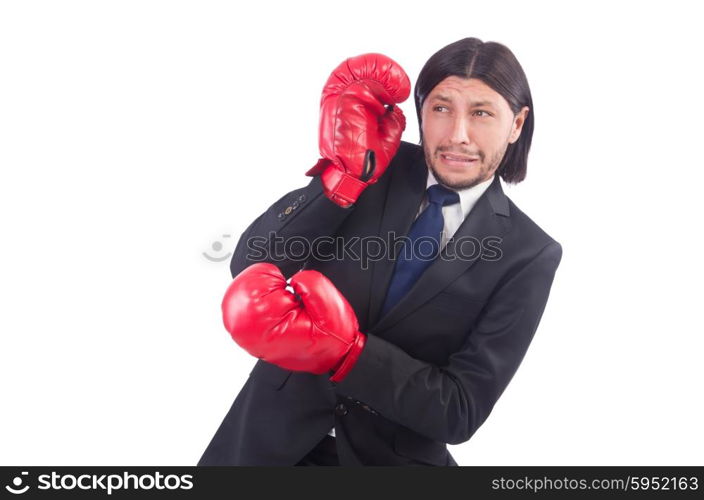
(438,108)
(482,111)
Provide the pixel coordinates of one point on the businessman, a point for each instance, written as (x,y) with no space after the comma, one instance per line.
(416,286)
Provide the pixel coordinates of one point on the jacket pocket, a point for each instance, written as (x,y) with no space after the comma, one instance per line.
(269,374)
(421,449)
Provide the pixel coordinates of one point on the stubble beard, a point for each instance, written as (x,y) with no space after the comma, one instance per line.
(485,169)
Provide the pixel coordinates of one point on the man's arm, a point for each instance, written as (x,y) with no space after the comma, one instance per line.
(449,403)
(360,131)
(305,213)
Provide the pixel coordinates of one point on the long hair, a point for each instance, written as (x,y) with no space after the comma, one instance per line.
(496,66)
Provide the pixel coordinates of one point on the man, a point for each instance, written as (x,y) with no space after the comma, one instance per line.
(386,360)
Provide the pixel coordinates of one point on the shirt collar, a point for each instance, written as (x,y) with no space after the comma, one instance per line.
(468,196)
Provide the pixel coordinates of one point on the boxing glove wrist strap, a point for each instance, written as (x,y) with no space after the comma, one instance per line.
(342,188)
(350,358)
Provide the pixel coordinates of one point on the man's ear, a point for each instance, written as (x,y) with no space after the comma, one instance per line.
(518,121)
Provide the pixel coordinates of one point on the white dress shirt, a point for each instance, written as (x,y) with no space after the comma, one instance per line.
(453,215)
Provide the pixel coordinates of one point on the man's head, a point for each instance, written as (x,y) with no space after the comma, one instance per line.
(475,114)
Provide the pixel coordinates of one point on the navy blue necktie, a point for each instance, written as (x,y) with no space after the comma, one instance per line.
(422,246)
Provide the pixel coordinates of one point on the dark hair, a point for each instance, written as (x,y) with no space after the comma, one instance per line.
(496,66)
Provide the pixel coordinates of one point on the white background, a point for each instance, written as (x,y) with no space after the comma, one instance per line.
(135,134)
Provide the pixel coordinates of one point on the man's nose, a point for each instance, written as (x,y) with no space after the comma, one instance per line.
(460,131)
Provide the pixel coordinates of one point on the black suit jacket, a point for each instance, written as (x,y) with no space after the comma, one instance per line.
(433,366)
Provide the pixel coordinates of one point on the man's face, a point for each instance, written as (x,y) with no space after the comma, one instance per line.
(467,127)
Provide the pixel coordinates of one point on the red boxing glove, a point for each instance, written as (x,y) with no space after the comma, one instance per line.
(314,330)
(359,135)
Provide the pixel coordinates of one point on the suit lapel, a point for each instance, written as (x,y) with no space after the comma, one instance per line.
(488,218)
(405,193)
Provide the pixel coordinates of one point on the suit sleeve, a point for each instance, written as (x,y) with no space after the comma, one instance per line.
(284,233)
(449,403)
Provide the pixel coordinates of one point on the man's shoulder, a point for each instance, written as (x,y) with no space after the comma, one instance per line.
(525,228)
(409,159)
(408,150)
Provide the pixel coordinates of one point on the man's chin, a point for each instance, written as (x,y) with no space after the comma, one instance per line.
(456,181)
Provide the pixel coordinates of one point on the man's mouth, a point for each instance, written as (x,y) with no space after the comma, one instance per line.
(457,160)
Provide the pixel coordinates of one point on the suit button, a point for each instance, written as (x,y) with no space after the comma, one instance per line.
(302,198)
(341,410)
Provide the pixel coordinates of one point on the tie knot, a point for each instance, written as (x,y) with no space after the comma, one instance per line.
(442,195)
